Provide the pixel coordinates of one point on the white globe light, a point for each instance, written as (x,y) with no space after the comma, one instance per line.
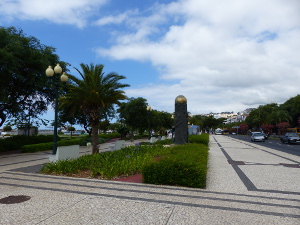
(64,77)
(57,69)
(49,71)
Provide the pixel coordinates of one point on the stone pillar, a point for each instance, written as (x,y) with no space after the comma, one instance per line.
(181,120)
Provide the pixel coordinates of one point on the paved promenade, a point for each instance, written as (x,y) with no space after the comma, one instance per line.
(247,184)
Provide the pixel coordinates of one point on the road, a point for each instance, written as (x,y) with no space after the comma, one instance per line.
(272,143)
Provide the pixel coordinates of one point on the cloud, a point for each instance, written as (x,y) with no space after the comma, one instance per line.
(230,54)
(116,19)
(73,12)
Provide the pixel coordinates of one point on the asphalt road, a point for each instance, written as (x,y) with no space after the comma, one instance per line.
(272,143)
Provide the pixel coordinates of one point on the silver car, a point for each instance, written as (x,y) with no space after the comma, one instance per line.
(258,137)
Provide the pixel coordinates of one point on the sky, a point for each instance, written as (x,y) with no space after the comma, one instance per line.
(222,55)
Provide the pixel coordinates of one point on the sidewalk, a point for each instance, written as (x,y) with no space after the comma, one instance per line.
(247,184)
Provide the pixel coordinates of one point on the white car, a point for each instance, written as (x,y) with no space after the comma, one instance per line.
(257,136)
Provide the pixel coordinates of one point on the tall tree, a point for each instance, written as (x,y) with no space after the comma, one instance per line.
(210,122)
(196,120)
(24,87)
(134,114)
(163,121)
(93,94)
(279,115)
(293,107)
(261,115)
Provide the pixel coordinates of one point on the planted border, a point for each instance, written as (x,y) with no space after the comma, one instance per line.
(185,166)
(182,165)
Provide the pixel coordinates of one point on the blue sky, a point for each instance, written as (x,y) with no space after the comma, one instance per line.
(221,55)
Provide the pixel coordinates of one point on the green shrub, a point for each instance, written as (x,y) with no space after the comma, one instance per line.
(37,147)
(109,136)
(16,142)
(49,145)
(127,161)
(200,139)
(164,142)
(185,166)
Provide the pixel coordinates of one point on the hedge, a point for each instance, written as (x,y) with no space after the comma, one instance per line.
(109,136)
(200,139)
(185,166)
(49,145)
(16,142)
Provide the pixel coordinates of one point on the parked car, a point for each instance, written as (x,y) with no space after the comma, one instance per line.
(257,136)
(290,138)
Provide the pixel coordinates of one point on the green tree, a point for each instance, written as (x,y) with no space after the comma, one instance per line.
(71,129)
(279,115)
(161,121)
(261,115)
(104,125)
(7,128)
(94,94)
(292,106)
(210,122)
(196,120)
(24,87)
(134,114)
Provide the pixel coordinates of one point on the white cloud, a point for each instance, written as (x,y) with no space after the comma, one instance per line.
(116,19)
(73,12)
(224,54)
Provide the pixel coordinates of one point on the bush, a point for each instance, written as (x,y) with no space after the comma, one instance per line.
(109,136)
(37,147)
(16,142)
(49,145)
(164,142)
(185,166)
(127,161)
(200,139)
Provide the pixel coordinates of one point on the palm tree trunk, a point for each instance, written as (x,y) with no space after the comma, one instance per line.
(95,138)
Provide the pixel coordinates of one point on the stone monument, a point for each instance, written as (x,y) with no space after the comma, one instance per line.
(181,120)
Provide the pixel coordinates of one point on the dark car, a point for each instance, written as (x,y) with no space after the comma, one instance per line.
(290,138)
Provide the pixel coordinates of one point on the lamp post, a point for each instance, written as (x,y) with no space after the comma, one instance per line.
(64,78)
(149,109)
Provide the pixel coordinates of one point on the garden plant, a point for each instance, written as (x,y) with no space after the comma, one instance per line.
(183,165)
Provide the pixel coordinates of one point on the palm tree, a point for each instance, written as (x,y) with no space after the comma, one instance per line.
(280,115)
(93,94)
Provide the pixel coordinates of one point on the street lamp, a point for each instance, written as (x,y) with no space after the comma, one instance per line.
(149,109)
(64,78)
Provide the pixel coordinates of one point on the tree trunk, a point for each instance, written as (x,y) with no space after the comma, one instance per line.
(95,138)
